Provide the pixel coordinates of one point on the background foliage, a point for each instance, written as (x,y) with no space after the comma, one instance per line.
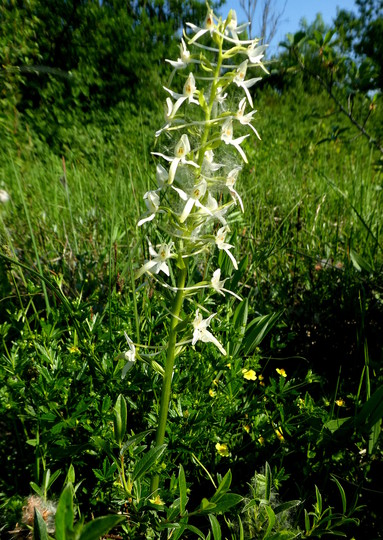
(81,98)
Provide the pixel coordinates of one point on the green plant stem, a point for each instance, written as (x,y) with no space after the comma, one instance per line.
(170,357)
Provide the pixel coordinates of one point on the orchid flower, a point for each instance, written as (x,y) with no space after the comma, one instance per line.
(184,59)
(230,183)
(239,80)
(232,28)
(201,333)
(227,137)
(208,162)
(218,285)
(129,356)
(245,119)
(209,27)
(197,193)
(170,112)
(181,150)
(158,263)
(255,54)
(221,244)
(152,201)
(189,90)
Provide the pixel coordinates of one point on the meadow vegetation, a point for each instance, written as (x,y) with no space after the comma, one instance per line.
(281,438)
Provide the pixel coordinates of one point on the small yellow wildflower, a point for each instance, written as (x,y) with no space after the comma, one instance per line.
(246,427)
(261,440)
(261,380)
(249,374)
(278,433)
(281,372)
(340,402)
(74,349)
(212,392)
(222,449)
(228,365)
(156,500)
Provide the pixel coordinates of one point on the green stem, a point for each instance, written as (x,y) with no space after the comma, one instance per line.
(170,357)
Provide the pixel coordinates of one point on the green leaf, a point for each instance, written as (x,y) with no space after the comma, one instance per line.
(342,494)
(36,489)
(268,482)
(65,515)
(196,531)
(359,262)
(183,491)
(148,461)
(223,487)
(271,519)
(257,329)
(283,507)
(215,527)
(39,527)
(95,529)
(333,425)
(224,503)
(120,419)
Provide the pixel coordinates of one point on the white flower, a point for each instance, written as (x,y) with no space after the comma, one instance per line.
(4,196)
(218,285)
(230,183)
(152,201)
(170,112)
(220,97)
(184,59)
(227,137)
(162,176)
(239,80)
(245,119)
(208,162)
(188,92)
(255,54)
(158,262)
(181,150)
(233,28)
(196,194)
(221,244)
(201,333)
(209,27)
(129,356)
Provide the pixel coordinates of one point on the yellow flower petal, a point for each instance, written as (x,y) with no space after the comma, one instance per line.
(249,374)
(222,449)
(281,372)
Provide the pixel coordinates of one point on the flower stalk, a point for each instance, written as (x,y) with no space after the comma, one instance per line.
(196,181)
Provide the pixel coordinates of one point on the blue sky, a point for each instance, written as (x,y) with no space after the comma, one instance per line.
(294,12)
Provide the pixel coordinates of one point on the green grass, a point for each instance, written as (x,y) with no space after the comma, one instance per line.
(310,240)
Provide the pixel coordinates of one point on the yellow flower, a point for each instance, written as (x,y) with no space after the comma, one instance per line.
(212,392)
(261,440)
(246,427)
(281,372)
(249,374)
(156,500)
(278,433)
(74,349)
(261,380)
(228,365)
(340,402)
(222,449)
